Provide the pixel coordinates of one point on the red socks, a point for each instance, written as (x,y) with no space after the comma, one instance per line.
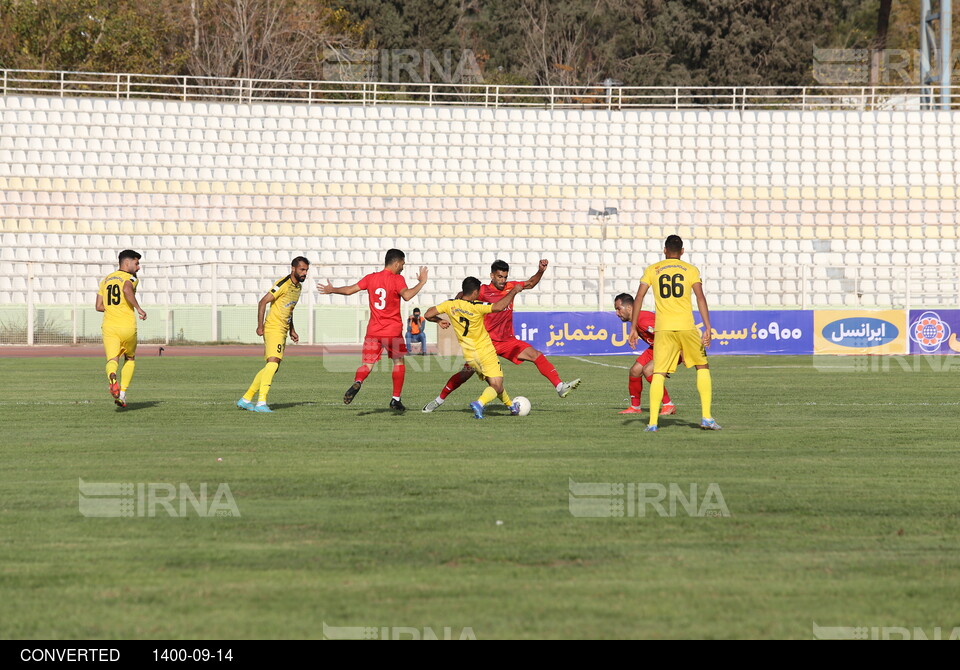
(398,372)
(452,385)
(666,396)
(636,388)
(547,370)
(362,373)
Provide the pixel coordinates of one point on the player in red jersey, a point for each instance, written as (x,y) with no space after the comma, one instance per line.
(507,344)
(385,329)
(643,367)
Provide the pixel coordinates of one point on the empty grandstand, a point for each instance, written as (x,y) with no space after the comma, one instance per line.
(783,203)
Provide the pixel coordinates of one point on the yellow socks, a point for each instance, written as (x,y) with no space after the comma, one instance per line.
(266,379)
(111,369)
(254,387)
(504,398)
(656,397)
(126,375)
(705,387)
(487,395)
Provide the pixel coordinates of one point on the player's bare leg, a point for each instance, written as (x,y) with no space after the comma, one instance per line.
(399,371)
(547,369)
(458,379)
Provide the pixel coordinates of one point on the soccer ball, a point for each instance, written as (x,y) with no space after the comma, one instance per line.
(524,405)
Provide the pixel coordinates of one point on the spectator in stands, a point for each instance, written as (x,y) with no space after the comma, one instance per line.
(415,332)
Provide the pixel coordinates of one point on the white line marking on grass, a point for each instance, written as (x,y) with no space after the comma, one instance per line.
(606,365)
(864,404)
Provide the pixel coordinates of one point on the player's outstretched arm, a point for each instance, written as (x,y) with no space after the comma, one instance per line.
(634,320)
(330,289)
(99,305)
(408,293)
(505,301)
(132,299)
(262,309)
(535,279)
(704,313)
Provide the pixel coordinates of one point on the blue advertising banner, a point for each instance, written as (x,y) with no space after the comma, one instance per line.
(934,331)
(760,332)
(602,333)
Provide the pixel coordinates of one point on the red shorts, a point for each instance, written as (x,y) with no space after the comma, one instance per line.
(511,349)
(646,356)
(373,348)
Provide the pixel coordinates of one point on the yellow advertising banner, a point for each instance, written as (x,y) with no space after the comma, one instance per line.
(860,331)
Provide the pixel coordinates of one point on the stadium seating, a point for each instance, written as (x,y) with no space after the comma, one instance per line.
(779,208)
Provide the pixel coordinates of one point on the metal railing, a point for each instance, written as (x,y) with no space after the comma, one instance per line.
(246,91)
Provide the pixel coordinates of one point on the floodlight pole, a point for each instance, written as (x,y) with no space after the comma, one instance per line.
(935,58)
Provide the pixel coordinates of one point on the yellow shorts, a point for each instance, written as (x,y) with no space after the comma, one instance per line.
(274,344)
(487,366)
(120,342)
(668,344)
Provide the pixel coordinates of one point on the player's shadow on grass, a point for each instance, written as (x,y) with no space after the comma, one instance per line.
(134,406)
(287,405)
(382,410)
(664,422)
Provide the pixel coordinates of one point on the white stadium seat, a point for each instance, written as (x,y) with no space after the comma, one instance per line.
(245,186)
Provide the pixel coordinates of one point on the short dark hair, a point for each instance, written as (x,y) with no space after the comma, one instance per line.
(393,255)
(469,285)
(624,298)
(298,260)
(673,243)
(416,310)
(129,253)
(499,266)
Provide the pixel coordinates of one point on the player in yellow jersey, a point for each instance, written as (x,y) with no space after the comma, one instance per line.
(466,317)
(673,280)
(117,299)
(282,298)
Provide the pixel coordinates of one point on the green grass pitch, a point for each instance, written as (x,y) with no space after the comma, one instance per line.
(841,486)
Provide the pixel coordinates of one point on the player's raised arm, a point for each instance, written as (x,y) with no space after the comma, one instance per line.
(505,301)
(408,293)
(131,297)
(535,279)
(704,313)
(634,320)
(330,289)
